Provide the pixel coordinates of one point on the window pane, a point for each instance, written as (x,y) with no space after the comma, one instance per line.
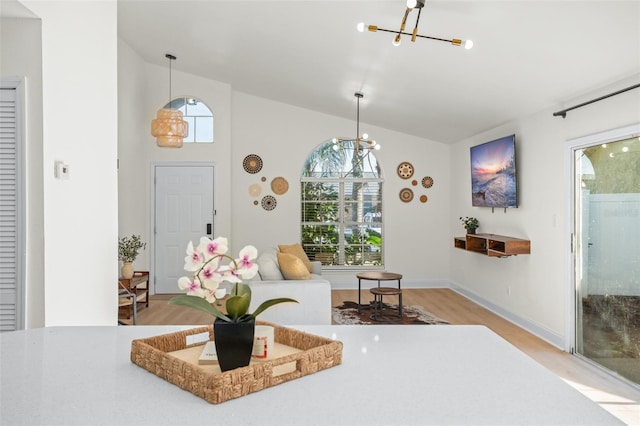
(199,117)
(341,207)
(204,129)
(178,104)
(191,136)
(328,162)
(196,107)
(320,242)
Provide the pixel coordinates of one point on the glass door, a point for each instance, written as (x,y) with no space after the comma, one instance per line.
(607,255)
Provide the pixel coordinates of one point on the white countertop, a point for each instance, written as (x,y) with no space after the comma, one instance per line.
(390,375)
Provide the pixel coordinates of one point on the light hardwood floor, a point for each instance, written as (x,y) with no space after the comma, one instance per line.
(617,397)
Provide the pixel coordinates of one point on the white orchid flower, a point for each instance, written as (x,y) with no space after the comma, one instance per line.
(211,248)
(246,268)
(192,287)
(194,259)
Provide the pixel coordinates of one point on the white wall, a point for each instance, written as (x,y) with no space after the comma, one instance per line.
(284,135)
(532,288)
(21,49)
(79,125)
(142,90)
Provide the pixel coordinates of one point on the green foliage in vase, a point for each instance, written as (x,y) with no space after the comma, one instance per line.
(470,222)
(128,248)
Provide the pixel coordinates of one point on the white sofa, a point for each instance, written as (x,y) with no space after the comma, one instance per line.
(313,295)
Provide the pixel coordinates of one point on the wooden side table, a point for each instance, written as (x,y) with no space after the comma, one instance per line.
(138,284)
(376,276)
(378,293)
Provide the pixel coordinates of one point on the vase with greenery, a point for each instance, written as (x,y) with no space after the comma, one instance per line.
(233,330)
(470,224)
(128,248)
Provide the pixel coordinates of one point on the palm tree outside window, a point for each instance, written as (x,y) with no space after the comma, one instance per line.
(341,196)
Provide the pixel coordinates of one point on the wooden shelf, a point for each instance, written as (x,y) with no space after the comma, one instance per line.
(493,245)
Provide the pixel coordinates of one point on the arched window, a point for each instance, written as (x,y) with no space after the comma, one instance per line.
(198,115)
(341,196)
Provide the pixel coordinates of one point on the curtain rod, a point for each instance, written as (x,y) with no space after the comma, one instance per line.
(563,113)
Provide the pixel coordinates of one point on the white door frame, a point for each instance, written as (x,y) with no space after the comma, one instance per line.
(152,221)
(572,145)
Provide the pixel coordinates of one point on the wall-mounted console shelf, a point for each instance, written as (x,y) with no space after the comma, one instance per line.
(493,245)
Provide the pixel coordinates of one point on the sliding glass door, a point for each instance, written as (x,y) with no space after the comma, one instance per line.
(607,254)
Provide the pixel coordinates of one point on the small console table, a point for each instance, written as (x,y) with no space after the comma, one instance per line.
(493,245)
(138,284)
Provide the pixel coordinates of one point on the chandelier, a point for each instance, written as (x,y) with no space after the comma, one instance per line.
(168,127)
(361,143)
(413,4)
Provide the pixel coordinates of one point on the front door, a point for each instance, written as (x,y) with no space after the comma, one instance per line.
(183,212)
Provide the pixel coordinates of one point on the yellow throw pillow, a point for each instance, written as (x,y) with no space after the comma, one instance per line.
(292,267)
(297,251)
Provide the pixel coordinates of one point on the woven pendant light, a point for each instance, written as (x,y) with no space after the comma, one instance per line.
(168,127)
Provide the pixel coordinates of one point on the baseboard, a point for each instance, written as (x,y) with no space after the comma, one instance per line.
(533,328)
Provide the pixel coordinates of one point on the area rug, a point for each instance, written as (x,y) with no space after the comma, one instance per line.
(348,314)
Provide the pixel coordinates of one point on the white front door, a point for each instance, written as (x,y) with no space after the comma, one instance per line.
(183,212)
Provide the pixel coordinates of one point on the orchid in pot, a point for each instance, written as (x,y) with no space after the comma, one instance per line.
(203,292)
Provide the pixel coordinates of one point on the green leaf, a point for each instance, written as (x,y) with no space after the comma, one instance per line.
(269,303)
(198,303)
(238,306)
(240,289)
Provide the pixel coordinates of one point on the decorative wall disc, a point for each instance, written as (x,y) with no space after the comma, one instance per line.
(255,190)
(255,202)
(427,181)
(264,179)
(269,202)
(414,182)
(405,170)
(252,163)
(423,198)
(406,195)
(279,185)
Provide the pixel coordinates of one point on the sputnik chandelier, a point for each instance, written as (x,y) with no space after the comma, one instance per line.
(361,143)
(414,4)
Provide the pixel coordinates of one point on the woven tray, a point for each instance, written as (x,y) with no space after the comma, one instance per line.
(154,355)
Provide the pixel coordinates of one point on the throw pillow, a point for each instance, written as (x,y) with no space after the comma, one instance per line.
(268,266)
(297,251)
(292,267)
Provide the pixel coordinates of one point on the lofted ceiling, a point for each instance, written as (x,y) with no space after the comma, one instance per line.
(528,55)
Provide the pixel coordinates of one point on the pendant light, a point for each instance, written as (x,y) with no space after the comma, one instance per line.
(168,127)
(361,142)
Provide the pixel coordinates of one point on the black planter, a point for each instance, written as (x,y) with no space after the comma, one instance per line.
(471,231)
(234,342)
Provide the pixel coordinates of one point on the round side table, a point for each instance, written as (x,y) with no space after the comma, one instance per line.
(376,276)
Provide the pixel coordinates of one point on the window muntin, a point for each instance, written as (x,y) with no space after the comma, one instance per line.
(341,197)
(198,115)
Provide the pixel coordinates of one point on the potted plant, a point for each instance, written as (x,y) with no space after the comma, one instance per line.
(470,224)
(128,248)
(234,329)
